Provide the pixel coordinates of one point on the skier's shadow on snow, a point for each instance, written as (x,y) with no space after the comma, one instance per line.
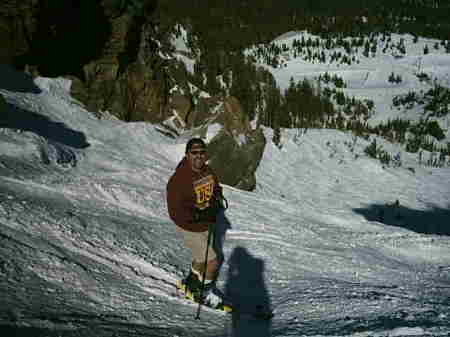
(433,221)
(246,289)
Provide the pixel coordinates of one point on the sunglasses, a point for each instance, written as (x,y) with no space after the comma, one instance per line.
(198,152)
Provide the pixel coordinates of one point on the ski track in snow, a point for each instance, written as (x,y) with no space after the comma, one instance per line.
(313,244)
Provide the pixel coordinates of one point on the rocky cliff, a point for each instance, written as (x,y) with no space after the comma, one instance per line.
(134,64)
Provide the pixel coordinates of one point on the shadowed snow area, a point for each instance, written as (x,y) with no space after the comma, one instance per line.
(335,244)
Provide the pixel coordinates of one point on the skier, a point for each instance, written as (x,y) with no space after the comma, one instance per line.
(194,197)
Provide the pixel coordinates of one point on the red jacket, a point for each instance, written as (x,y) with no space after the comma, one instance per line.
(188,190)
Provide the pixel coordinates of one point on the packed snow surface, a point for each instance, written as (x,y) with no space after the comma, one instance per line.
(332,241)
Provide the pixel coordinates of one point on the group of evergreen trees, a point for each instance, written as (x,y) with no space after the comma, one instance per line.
(239,24)
(343,31)
(435,101)
(304,106)
(338,49)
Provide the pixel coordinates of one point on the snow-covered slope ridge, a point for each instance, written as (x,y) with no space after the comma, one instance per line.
(322,241)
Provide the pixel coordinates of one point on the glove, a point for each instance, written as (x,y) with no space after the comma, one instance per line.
(208,214)
(222,203)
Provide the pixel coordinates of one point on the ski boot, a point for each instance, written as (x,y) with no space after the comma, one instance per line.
(191,287)
(213,298)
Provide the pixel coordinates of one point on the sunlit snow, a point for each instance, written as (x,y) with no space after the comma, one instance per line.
(331,240)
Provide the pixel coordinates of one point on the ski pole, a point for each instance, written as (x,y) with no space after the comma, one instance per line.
(204,271)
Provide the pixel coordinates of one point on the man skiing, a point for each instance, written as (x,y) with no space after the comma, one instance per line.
(193,199)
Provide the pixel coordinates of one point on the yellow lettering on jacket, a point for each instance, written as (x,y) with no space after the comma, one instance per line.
(204,189)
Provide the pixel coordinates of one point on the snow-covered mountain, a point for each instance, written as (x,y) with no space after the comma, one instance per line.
(366,75)
(331,240)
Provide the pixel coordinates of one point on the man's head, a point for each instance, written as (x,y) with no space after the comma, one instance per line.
(196,153)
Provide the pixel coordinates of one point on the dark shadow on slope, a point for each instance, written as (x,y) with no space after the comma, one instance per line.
(246,289)
(433,221)
(222,226)
(19,331)
(23,120)
(13,80)
(389,321)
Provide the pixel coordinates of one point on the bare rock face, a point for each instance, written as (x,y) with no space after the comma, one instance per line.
(180,107)
(124,79)
(236,149)
(235,160)
(97,44)
(121,64)
(18,21)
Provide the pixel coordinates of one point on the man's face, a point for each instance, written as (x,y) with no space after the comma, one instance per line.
(197,157)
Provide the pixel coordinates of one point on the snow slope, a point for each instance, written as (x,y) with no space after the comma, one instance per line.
(367,77)
(322,241)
